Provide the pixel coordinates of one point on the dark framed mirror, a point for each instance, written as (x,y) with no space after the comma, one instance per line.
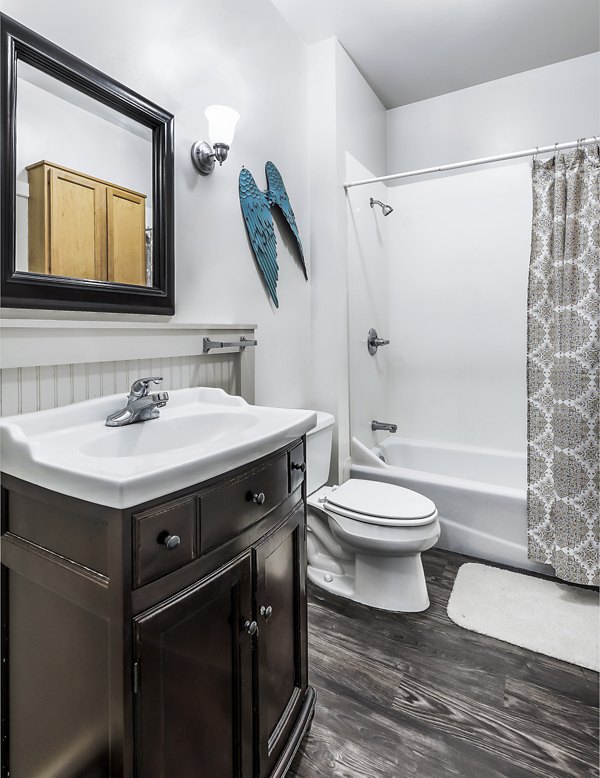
(86,189)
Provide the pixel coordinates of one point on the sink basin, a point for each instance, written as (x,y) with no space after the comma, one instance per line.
(201,433)
(170,434)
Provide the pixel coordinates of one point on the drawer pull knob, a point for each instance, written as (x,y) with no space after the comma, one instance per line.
(171,541)
(301,467)
(251,627)
(266,611)
(258,498)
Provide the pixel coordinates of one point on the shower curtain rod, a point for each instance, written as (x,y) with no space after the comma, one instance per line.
(481,161)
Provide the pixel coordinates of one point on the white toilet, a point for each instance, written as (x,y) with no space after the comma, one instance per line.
(365,538)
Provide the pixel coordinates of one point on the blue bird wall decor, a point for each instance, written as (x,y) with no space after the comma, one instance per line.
(256,209)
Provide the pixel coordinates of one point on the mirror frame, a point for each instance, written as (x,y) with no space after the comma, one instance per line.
(21,289)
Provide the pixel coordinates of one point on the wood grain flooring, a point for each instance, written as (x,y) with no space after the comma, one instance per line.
(416,695)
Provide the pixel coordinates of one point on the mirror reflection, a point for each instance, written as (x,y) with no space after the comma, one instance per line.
(83,185)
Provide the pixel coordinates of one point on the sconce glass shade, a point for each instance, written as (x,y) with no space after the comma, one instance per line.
(221,124)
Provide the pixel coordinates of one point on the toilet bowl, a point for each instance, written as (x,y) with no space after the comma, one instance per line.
(365,538)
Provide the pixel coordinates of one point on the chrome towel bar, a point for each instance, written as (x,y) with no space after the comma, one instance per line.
(209,345)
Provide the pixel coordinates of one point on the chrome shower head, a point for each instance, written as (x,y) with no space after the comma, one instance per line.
(385,209)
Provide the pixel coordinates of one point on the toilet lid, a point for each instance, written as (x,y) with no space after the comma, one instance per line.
(379,500)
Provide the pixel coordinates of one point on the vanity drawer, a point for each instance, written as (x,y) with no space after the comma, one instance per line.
(230,509)
(164,539)
(297,467)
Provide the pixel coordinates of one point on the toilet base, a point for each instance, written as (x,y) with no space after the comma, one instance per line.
(341,584)
(391,583)
(388,583)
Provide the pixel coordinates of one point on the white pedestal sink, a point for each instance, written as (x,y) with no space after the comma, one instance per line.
(201,433)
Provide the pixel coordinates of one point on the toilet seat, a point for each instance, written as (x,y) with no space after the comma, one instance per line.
(384,504)
(384,539)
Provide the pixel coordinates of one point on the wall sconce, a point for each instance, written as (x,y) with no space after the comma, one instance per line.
(221,129)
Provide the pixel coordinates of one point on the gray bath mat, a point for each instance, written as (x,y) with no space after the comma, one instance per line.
(544,616)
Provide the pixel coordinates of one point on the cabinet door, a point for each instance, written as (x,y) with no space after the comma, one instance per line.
(194,688)
(281,644)
(126,222)
(77,226)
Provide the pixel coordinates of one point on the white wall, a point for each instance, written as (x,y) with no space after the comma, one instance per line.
(347,128)
(184,57)
(540,107)
(459,250)
(329,362)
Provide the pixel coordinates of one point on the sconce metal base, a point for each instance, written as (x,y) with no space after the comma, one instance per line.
(204,156)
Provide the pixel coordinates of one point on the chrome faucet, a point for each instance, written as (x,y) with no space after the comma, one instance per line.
(141,405)
(382,425)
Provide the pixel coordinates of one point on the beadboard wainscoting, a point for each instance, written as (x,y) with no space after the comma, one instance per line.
(47,364)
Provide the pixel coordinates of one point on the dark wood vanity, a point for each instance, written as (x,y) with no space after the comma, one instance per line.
(168,639)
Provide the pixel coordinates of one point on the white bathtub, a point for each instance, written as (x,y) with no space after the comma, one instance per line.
(480,493)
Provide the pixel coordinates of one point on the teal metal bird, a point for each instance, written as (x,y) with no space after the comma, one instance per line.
(256,209)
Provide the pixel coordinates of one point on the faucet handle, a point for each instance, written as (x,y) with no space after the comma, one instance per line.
(139,388)
(160,398)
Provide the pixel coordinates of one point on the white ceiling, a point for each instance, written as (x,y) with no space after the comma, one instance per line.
(410,50)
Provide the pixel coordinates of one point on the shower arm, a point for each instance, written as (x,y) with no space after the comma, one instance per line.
(385,209)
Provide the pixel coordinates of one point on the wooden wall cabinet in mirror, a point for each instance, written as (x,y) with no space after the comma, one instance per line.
(92,229)
(82,227)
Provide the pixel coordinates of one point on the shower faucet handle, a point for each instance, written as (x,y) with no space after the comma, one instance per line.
(374,341)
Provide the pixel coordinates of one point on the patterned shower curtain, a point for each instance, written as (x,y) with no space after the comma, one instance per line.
(563,314)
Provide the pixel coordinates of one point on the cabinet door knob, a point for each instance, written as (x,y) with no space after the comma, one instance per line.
(251,627)
(266,611)
(258,498)
(171,541)
(299,466)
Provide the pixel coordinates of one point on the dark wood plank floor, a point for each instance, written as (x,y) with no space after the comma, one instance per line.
(416,695)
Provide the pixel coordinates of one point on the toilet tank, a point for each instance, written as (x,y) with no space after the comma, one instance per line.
(318,452)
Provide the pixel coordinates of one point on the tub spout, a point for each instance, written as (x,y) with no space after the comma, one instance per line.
(382,425)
